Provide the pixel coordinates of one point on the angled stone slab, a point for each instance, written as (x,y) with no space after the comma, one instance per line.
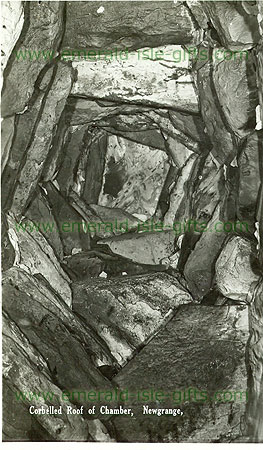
(249,177)
(202,349)
(148,247)
(39,147)
(128,311)
(43,27)
(34,255)
(199,269)
(255,350)
(224,147)
(39,212)
(69,222)
(237,77)
(25,370)
(53,329)
(237,27)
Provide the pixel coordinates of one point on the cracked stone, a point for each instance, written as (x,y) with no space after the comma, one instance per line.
(255,411)
(200,266)
(52,325)
(25,370)
(39,212)
(68,222)
(224,149)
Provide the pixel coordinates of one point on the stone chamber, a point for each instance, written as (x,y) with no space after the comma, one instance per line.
(159,135)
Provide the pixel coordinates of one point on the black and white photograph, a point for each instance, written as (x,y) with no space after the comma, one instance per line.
(132,221)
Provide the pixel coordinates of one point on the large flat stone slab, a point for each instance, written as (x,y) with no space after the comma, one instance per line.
(110,25)
(143,80)
(203,348)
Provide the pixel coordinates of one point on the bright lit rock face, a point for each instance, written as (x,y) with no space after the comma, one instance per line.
(44,24)
(132,225)
(234,271)
(123,182)
(139,78)
(12,24)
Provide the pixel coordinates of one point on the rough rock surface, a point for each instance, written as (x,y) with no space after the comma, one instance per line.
(116,26)
(235,76)
(199,269)
(12,20)
(39,212)
(24,128)
(95,165)
(224,149)
(150,247)
(234,269)
(145,81)
(25,370)
(27,364)
(210,189)
(51,323)
(123,185)
(236,28)
(7,133)
(43,23)
(249,178)
(35,256)
(71,150)
(69,223)
(178,203)
(40,146)
(126,312)
(206,359)
(255,411)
